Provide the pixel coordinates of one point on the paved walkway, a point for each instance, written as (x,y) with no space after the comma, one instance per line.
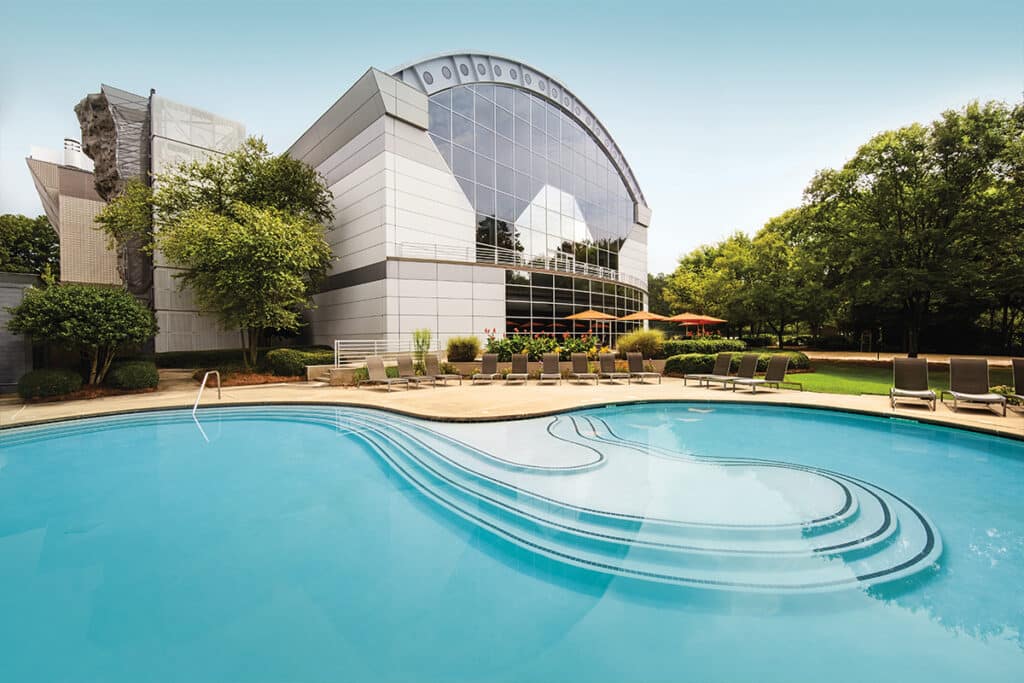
(1001,361)
(497,401)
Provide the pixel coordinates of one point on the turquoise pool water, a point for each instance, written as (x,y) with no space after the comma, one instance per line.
(657,542)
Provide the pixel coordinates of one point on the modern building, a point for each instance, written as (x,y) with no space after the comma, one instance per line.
(68,194)
(128,136)
(473,192)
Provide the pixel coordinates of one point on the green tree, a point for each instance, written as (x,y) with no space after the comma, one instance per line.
(98,321)
(28,245)
(246,227)
(255,268)
(129,216)
(656,302)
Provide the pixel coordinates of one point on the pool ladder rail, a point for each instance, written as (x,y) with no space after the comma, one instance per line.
(199,396)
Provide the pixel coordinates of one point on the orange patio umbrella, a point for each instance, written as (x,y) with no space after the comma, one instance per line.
(591,315)
(643,315)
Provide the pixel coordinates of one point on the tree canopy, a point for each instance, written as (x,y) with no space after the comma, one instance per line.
(247,229)
(98,321)
(920,232)
(28,245)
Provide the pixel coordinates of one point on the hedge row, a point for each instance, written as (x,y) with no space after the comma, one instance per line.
(221,357)
(676,347)
(689,363)
(293,362)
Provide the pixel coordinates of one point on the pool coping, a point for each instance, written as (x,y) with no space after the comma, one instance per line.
(510,417)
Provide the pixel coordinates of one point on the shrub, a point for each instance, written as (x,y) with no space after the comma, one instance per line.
(293,362)
(421,343)
(688,363)
(97,321)
(676,347)
(759,341)
(834,342)
(43,383)
(1008,392)
(650,343)
(139,374)
(463,349)
(705,362)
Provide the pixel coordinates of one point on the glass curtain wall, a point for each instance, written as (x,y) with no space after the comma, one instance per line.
(543,188)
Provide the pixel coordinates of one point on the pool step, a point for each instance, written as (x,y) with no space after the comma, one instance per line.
(661,551)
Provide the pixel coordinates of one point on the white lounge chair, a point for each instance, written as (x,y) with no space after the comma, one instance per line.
(910,381)
(774,375)
(969,383)
(378,375)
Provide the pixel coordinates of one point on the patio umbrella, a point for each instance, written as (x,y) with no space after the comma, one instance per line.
(643,315)
(591,315)
(695,319)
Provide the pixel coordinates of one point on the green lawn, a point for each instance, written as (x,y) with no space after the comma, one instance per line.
(857,378)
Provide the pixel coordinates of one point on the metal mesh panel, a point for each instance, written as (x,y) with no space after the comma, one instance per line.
(131,120)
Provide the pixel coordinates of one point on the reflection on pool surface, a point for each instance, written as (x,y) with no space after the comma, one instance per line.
(644,542)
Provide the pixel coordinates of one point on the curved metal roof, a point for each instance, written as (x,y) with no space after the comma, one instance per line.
(447,70)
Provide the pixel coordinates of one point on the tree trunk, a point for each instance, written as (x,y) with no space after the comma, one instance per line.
(92,366)
(107,360)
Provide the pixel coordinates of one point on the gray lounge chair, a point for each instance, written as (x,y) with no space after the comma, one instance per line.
(723,361)
(607,368)
(407,371)
(520,369)
(968,382)
(636,368)
(550,370)
(910,381)
(748,366)
(488,369)
(774,375)
(434,370)
(378,375)
(581,368)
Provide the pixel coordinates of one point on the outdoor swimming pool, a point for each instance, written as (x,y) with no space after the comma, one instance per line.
(673,541)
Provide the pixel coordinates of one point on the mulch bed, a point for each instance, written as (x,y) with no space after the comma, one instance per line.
(89,392)
(241,379)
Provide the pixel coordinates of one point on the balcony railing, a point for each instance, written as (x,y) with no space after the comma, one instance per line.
(561,263)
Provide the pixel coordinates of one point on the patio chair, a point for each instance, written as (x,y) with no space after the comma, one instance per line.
(581,368)
(723,362)
(774,375)
(550,370)
(636,368)
(910,381)
(488,369)
(378,375)
(748,366)
(434,370)
(520,369)
(607,368)
(968,382)
(407,371)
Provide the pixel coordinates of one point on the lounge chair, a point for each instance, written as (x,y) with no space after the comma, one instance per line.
(774,375)
(723,362)
(407,371)
(636,368)
(434,370)
(520,369)
(910,381)
(581,368)
(968,382)
(608,371)
(748,366)
(550,370)
(488,369)
(378,375)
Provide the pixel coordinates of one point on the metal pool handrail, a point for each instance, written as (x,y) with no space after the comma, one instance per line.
(203,386)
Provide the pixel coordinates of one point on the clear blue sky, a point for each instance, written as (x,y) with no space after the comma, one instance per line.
(724,110)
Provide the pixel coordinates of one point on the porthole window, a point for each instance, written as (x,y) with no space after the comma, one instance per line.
(554,92)
(528,78)
(497,70)
(481,69)
(577,111)
(446,72)
(542,84)
(428,78)
(513,74)
(464,69)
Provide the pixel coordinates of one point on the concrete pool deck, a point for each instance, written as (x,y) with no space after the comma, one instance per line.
(499,401)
